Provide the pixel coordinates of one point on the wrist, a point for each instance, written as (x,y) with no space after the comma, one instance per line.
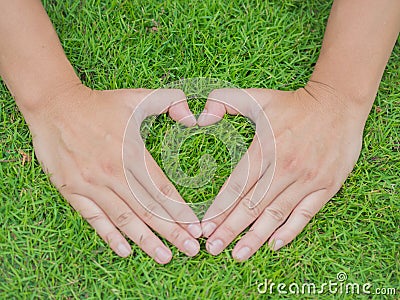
(44,96)
(54,105)
(356,101)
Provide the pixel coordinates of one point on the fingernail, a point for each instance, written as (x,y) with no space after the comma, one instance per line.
(202,116)
(192,121)
(162,256)
(195,230)
(243,254)
(188,121)
(191,247)
(208,228)
(278,244)
(123,250)
(215,247)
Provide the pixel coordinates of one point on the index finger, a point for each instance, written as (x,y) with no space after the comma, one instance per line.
(140,167)
(255,170)
(249,182)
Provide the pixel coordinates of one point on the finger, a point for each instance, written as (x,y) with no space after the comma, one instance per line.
(250,179)
(245,213)
(181,113)
(141,170)
(155,216)
(119,215)
(299,218)
(231,101)
(213,112)
(101,223)
(272,217)
(163,100)
(153,186)
(166,194)
(254,171)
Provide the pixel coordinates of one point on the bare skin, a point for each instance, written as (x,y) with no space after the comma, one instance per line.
(78,133)
(318,132)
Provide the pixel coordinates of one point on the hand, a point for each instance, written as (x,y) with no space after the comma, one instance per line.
(317,134)
(78,138)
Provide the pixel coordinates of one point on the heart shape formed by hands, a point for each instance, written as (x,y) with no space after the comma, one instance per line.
(83,155)
(196,159)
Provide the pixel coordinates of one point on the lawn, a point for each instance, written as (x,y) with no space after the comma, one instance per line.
(48,251)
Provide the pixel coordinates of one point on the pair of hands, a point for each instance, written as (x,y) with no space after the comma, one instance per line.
(285,178)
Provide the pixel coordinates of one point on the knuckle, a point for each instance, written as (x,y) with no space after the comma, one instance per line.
(92,218)
(66,188)
(87,176)
(143,241)
(219,94)
(310,175)
(229,232)
(236,189)
(167,189)
(256,237)
(175,96)
(111,238)
(165,192)
(134,96)
(215,94)
(181,216)
(175,234)
(178,93)
(252,209)
(330,183)
(124,219)
(305,213)
(149,211)
(108,168)
(218,210)
(291,232)
(276,213)
(290,163)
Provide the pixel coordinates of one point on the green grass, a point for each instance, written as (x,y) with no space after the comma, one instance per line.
(48,251)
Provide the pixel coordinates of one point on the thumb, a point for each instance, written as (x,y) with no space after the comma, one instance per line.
(172,101)
(229,100)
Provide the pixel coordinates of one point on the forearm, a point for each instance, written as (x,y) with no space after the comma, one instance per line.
(32,61)
(359,38)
